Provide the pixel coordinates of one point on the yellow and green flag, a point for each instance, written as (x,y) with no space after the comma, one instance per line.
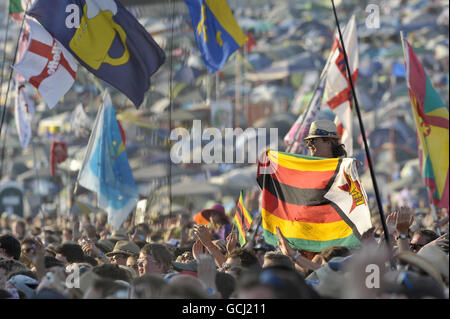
(431,118)
(242,220)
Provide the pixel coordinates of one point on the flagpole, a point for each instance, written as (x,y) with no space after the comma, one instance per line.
(7,90)
(363,133)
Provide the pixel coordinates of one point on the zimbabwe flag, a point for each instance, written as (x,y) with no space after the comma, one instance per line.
(431,118)
(242,220)
(317,203)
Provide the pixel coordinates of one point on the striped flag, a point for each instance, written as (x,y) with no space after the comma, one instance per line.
(317,203)
(431,118)
(242,220)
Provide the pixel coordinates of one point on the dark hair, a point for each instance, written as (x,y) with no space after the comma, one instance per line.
(279,260)
(108,287)
(284,283)
(226,284)
(111,271)
(12,265)
(335,251)
(429,234)
(338,149)
(28,240)
(160,252)
(11,245)
(52,262)
(247,258)
(73,252)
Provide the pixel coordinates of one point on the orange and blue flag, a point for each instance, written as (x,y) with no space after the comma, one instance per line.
(106,39)
(106,169)
(217,33)
(431,118)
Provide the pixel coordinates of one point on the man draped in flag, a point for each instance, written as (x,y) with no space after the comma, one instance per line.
(107,40)
(216,31)
(316,203)
(431,118)
(105,168)
(47,65)
(242,220)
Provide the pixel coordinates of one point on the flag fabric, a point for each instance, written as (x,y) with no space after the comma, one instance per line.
(108,41)
(217,33)
(21,49)
(16,9)
(58,154)
(242,220)
(15,6)
(105,168)
(431,118)
(80,122)
(317,203)
(23,114)
(47,65)
(338,92)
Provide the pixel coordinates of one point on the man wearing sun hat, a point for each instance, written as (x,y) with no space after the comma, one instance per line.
(122,250)
(323,140)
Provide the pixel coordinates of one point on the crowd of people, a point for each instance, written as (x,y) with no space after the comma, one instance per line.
(198,255)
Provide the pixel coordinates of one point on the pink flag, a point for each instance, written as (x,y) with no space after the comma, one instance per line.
(338,92)
(23,114)
(47,65)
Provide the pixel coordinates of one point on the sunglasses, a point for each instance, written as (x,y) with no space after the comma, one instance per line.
(28,250)
(414,246)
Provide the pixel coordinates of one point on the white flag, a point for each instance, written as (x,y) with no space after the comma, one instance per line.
(338,92)
(47,65)
(80,122)
(23,114)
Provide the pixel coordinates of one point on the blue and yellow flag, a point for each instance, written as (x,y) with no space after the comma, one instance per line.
(105,168)
(217,33)
(106,39)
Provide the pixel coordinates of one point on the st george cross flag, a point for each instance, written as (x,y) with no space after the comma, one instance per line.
(217,33)
(242,220)
(431,118)
(316,203)
(23,113)
(338,92)
(106,39)
(105,168)
(47,65)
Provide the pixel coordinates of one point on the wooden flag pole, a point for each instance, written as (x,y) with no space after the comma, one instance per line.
(363,133)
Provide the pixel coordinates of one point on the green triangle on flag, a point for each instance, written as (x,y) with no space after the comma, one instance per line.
(15,6)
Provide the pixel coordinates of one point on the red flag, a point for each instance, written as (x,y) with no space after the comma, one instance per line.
(58,154)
